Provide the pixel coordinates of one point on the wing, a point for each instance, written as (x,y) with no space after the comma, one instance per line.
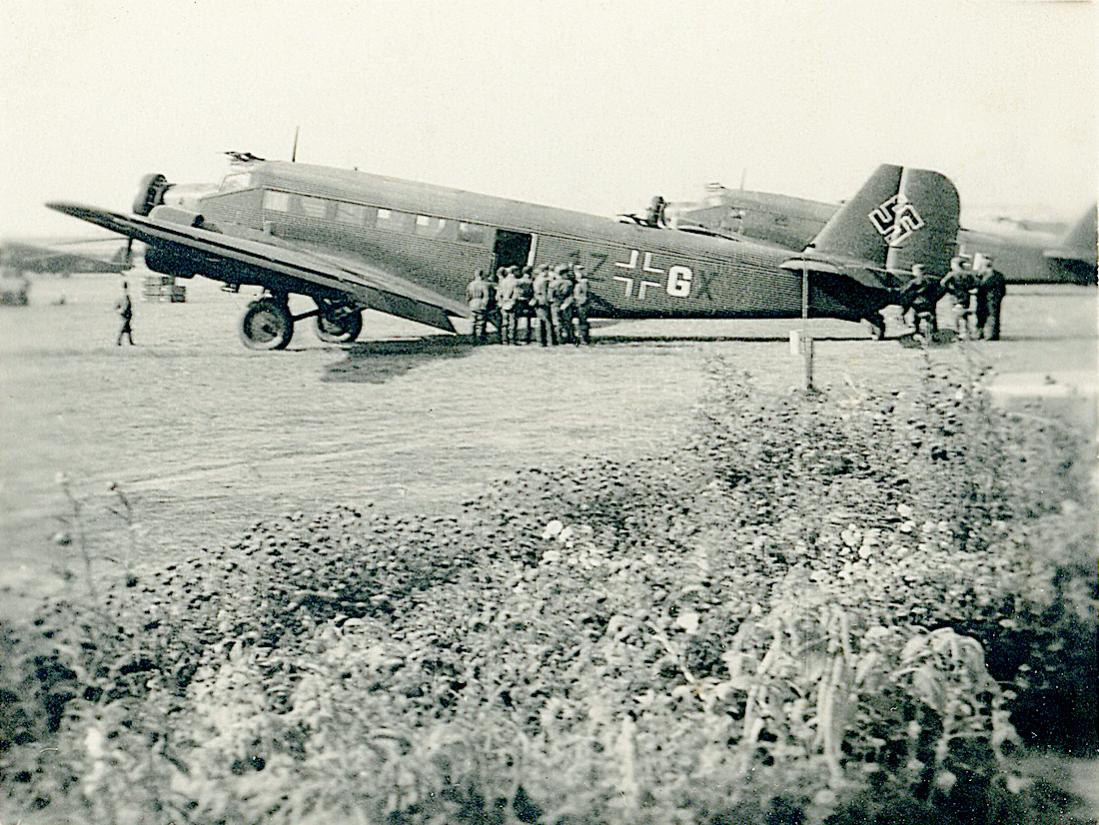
(266,261)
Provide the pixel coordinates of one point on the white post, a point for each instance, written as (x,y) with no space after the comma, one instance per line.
(806,341)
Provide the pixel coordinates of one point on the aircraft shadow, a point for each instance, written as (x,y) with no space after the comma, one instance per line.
(375,362)
(613,340)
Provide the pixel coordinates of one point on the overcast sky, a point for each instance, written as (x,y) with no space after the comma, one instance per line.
(594,106)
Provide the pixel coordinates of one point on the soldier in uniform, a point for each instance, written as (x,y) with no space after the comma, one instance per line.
(921,294)
(125,309)
(991,289)
(524,294)
(505,300)
(477,295)
(541,291)
(492,311)
(560,288)
(959,282)
(580,304)
(655,214)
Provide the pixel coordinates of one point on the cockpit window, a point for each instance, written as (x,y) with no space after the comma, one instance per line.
(236,182)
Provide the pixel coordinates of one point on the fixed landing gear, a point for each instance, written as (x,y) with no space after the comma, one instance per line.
(267,324)
(338,325)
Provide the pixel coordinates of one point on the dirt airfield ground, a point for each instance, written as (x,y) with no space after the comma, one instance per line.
(206,436)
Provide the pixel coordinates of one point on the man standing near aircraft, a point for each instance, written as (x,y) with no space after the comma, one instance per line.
(959,282)
(560,289)
(541,290)
(580,304)
(505,300)
(477,295)
(991,289)
(524,294)
(492,311)
(921,294)
(125,309)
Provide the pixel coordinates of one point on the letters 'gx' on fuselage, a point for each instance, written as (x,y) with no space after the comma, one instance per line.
(351,241)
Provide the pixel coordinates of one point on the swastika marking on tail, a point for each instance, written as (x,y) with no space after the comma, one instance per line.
(896,219)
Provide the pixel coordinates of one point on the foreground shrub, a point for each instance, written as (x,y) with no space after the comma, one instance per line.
(827,608)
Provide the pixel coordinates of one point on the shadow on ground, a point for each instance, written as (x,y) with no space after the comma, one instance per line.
(375,362)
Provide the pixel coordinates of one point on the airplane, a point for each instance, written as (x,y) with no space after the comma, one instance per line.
(351,240)
(1023,252)
(54,258)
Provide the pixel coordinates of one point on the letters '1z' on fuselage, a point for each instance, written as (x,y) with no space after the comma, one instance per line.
(352,240)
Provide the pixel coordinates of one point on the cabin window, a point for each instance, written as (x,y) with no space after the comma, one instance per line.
(471,232)
(314,207)
(431,227)
(236,182)
(276,201)
(350,213)
(395,221)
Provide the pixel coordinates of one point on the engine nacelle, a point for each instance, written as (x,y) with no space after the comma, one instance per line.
(150,193)
(166,262)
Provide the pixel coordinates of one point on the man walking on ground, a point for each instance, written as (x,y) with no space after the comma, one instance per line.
(541,290)
(125,310)
(477,296)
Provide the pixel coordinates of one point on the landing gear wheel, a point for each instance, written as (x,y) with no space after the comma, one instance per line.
(266,324)
(339,328)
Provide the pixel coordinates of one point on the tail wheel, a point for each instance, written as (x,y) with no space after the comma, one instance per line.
(266,325)
(876,323)
(339,327)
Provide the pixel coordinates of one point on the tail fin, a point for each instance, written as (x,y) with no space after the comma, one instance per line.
(900,216)
(1076,252)
(1080,241)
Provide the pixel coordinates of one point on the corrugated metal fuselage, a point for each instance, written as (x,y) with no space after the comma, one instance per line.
(438,236)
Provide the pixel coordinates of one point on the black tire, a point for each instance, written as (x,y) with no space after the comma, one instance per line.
(266,325)
(342,330)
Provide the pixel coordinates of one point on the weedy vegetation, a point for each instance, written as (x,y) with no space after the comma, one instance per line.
(846,607)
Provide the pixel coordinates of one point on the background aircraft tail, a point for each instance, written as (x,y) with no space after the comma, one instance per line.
(899,217)
(1075,255)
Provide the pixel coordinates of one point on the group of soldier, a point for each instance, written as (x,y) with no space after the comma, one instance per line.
(977,294)
(555,298)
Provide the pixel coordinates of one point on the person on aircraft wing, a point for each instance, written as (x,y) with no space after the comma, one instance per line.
(541,291)
(524,295)
(125,309)
(580,304)
(991,289)
(921,294)
(477,295)
(960,283)
(505,300)
(561,303)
